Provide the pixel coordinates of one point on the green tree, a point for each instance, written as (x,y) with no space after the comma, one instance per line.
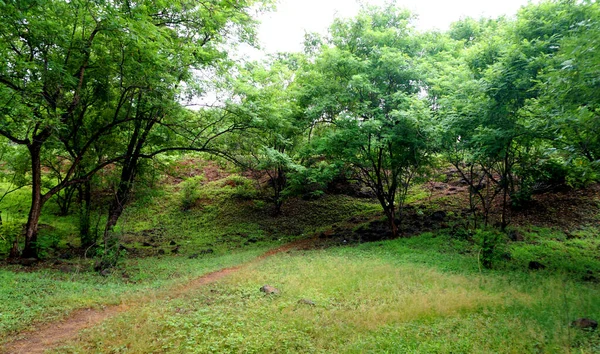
(364,88)
(494,138)
(267,95)
(78,76)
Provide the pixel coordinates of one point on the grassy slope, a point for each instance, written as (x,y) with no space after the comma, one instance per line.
(225,220)
(392,296)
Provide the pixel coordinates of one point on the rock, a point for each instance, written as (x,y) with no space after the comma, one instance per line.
(66,255)
(28,262)
(535,265)
(269,290)
(585,323)
(172,243)
(515,236)
(306,302)
(439,215)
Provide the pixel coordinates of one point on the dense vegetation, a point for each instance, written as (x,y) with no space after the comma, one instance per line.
(105,169)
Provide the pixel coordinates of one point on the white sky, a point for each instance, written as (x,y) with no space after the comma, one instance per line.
(283,30)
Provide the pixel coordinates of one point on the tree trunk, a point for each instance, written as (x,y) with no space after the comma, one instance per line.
(118,203)
(37,201)
(390,214)
(85,232)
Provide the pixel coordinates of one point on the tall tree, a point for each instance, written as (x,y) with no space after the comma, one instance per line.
(74,72)
(365,87)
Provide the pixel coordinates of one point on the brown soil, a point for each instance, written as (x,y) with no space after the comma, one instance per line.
(192,167)
(51,335)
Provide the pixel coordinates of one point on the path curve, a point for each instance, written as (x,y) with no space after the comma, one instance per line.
(51,335)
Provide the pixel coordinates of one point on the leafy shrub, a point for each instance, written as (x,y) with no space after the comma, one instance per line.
(492,246)
(243,188)
(9,230)
(190,192)
(581,173)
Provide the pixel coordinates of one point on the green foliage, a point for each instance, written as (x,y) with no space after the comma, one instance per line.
(491,245)
(366,82)
(9,232)
(190,192)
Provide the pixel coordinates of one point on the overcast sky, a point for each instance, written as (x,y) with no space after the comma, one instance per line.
(283,30)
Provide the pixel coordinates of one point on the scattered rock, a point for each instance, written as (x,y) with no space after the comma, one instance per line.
(515,236)
(535,265)
(585,323)
(66,255)
(269,290)
(306,302)
(439,215)
(28,262)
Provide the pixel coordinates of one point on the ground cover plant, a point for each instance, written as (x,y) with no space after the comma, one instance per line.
(416,295)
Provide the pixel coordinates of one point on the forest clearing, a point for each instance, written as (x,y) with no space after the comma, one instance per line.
(386,190)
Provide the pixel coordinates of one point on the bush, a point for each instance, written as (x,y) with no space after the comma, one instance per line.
(492,246)
(190,192)
(8,232)
(243,188)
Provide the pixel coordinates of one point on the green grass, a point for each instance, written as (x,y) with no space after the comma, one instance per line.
(393,296)
(28,298)
(228,214)
(424,294)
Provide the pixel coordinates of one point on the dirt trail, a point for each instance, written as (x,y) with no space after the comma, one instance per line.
(51,335)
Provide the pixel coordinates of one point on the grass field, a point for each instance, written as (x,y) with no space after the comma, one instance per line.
(380,297)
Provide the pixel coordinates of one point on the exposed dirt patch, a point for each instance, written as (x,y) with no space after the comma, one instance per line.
(192,167)
(51,335)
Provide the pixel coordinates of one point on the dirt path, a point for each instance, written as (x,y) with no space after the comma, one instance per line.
(51,335)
